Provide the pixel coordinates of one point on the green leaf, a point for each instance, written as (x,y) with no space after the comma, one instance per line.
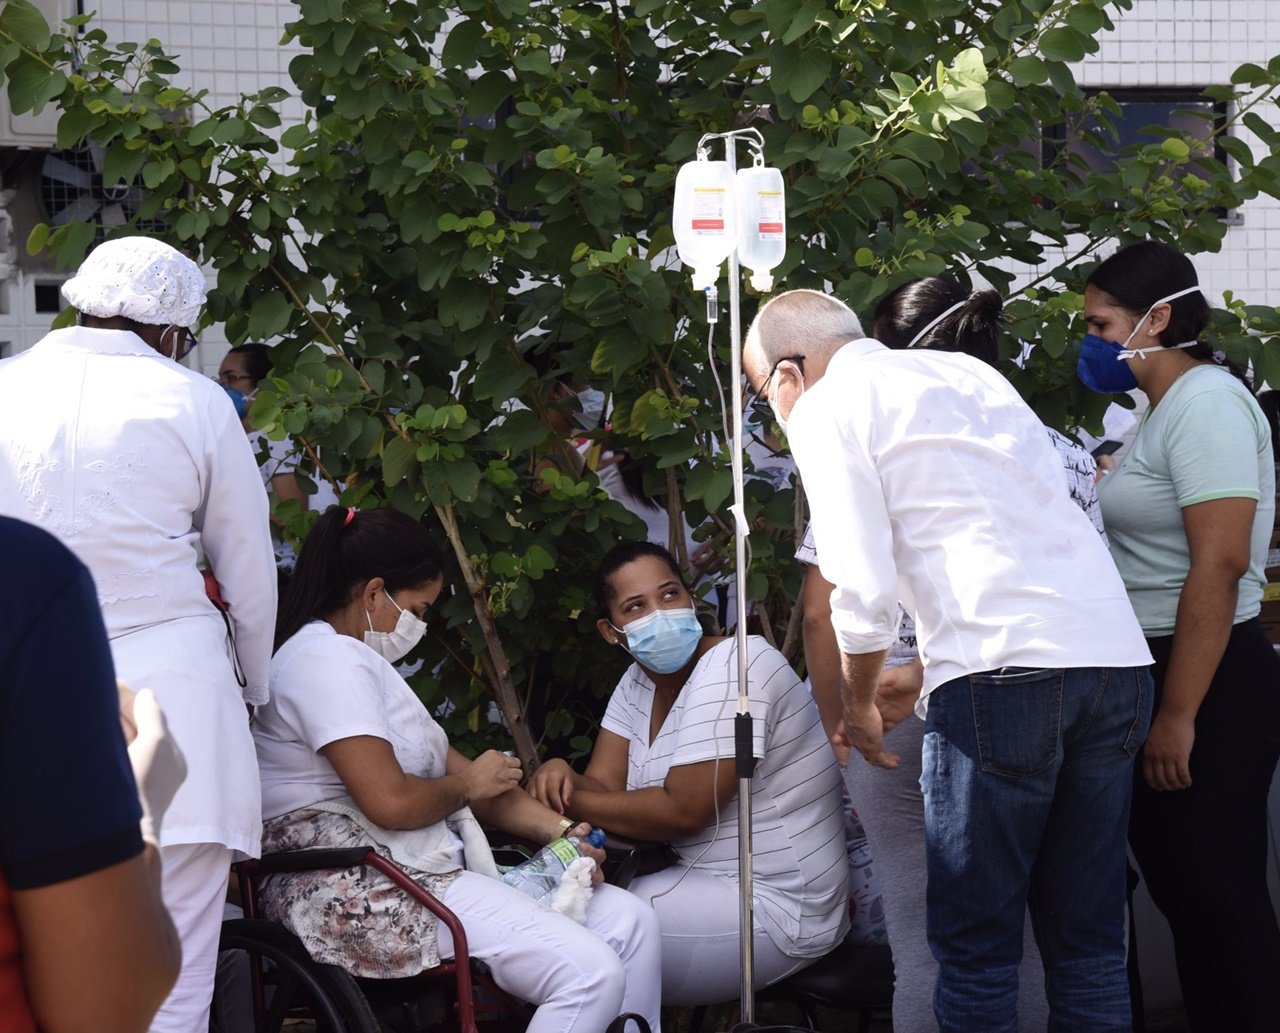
(28,85)
(1249,75)
(37,238)
(488,92)
(463,479)
(398,457)
(1062,44)
(296,135)
(803,20)
(1086,19)
(24,22)
(269,315)
(1028,71)
(799,71)
(618,352)
(464,305)
(460,47)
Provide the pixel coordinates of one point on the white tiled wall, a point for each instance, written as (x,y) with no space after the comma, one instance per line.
(1197,43)
(228,47)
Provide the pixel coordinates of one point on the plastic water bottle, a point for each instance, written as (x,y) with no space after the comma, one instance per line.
(703,221)
(762,222)
(540,875)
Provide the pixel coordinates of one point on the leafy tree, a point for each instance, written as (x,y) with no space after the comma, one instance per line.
(474,215)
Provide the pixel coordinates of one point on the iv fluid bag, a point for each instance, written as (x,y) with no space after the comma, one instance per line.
(704,223)
(762,223)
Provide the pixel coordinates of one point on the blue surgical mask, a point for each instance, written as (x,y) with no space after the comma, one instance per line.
(1101,365)
(239,399)
(663,641)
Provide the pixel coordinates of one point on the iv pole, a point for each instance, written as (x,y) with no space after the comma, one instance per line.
(744,761)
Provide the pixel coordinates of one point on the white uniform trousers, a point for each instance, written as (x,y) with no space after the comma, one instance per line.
(580,977)
(194,889)
(701,961)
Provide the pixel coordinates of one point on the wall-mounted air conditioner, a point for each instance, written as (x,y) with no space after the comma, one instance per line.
(34,130)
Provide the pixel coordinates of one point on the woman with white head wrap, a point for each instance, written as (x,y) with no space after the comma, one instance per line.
(137,463)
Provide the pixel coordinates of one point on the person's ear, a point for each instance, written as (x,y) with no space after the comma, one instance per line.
(1158,321)
(607,633)
(372,592)
(788,371)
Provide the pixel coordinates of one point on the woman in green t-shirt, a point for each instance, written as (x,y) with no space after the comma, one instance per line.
(1189,514)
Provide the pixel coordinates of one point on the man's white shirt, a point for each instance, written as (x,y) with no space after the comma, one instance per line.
(930,480)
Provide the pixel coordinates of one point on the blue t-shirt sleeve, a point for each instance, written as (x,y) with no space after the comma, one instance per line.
(68,803)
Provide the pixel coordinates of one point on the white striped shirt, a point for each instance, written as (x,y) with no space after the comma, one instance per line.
(801,871)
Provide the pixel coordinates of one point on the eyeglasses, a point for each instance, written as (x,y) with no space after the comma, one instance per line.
(185,345)
(230,377)
(759,405)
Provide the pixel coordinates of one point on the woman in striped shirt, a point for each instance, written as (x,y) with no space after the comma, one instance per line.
(662,769)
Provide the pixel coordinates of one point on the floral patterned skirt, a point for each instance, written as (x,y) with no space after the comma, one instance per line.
(357,919)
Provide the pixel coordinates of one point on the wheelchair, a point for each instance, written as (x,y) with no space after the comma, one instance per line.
(267,982)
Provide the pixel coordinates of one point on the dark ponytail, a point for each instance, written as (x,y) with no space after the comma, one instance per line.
(1138,276)
(345,549)
(973,328)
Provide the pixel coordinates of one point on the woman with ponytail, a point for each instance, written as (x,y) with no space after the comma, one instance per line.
(936,312)
(1189,513)
(350,756)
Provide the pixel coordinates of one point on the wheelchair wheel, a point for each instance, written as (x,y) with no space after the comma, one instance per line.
(293,986)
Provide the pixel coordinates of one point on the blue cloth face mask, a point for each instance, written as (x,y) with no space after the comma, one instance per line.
(239,399)
(663,641)
(1101,365)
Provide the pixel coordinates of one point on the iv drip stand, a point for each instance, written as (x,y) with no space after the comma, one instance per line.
(744,760)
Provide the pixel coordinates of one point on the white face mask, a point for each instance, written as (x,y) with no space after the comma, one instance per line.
(392,645)
(773,400)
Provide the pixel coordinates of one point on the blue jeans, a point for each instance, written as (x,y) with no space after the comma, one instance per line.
(1027,779)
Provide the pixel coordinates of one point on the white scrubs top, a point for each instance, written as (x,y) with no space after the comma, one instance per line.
(134,461)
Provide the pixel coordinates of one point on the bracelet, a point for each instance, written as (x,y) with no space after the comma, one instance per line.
(563,828)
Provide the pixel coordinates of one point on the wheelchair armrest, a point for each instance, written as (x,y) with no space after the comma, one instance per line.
(310,860)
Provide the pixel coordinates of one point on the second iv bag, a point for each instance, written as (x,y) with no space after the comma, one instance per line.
(762,223)
(704,224)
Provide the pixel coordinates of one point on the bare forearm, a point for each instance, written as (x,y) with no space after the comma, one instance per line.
(821,652)
(652,814)
(822,660)
(860,674)
(418,802)
(1206,610)
(517,813)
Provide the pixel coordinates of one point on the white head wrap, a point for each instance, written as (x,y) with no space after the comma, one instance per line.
(139,278)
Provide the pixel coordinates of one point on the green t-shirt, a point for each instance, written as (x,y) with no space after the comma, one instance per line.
(1207,439)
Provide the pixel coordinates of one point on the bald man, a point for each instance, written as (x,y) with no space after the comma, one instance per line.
(930,481)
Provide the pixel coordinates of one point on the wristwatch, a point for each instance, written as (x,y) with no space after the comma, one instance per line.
(563,828)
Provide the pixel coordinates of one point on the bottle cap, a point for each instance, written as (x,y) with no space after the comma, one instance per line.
(596,837)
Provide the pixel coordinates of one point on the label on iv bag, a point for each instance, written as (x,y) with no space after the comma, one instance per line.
(708,210)
(770,214)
